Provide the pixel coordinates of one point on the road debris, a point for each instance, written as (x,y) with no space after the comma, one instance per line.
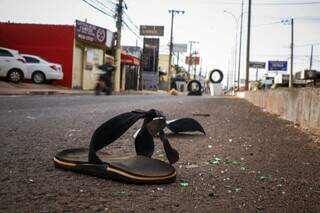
(192,166)
(215,161)
(31,118)
(184,183)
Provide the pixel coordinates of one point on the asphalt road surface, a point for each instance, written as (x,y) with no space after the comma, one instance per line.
(249,161)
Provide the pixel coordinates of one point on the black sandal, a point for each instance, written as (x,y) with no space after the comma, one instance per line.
(141,169)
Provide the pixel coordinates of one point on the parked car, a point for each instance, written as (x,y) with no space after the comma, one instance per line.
(40,70)
(12,65)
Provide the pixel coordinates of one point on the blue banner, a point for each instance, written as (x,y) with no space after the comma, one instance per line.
(277,65)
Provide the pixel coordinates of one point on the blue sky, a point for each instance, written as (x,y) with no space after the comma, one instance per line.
(204,21)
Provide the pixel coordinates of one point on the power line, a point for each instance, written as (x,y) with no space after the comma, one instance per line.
(112,15)
(268,3)
(110,2)
(132,31)
(288,3)
(112,10)
(306,45)
(266,24)
(100,10)
(130,20)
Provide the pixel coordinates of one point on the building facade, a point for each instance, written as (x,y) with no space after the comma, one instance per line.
(78,48)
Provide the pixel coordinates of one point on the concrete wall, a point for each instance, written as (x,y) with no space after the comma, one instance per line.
(299,105)
(51,42)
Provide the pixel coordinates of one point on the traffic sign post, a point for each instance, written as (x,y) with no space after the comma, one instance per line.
(277,65)
(257,65)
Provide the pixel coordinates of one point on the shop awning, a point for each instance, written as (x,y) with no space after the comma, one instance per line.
(129,60)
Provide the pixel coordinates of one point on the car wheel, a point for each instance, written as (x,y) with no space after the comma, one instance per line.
(38,78)
(15,75)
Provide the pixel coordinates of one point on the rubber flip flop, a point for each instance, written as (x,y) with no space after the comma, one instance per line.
(140,169)
(185,125)
(135,169)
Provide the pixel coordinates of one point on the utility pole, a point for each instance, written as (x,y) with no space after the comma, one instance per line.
(248,46)
(200,72)
(118,46)
(311,58)
(291,62)
(233,79)
(195,71)
(190,56)
(240,43)
(173,12)
(228,73)
(178,58)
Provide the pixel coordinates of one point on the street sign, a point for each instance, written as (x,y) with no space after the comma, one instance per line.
(195,60)
(148,30)
(277,65)
(150,54)
(182,48)
(90,33)
(257,65)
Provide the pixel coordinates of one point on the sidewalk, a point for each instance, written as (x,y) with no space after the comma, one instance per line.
(8,88)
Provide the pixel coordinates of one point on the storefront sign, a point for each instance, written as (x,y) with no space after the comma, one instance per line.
(90,33)
(147,30)
(277,65)
(195,60)
(182,48)
(257,65)
(110,39)
(150,54)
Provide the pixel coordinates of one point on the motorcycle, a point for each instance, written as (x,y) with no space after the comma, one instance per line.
(104,82)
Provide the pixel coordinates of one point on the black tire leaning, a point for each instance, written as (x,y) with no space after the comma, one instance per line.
(39,74)
(15,75)
(217,81)
(194,92)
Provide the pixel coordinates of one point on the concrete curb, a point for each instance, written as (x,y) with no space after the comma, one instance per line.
(75,92)
(8,88)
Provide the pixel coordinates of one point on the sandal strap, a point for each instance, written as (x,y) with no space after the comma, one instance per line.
(114,128)
(110,131)
(144,143)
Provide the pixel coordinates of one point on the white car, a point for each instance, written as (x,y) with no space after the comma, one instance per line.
(40,70)
(12,65)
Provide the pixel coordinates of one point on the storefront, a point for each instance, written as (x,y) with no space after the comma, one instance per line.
(130,68)
(54,43)
(90,48)
(79,49)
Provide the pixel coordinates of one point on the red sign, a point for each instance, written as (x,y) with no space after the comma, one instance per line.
(195,60)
